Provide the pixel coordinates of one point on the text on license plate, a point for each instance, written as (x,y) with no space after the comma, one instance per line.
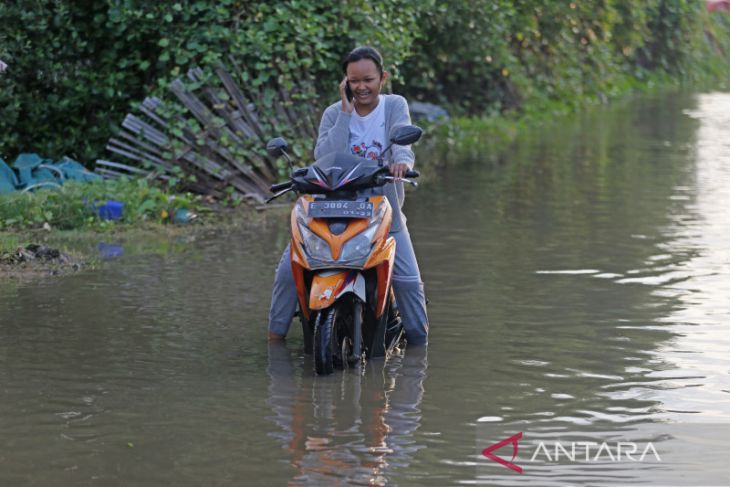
(340,209)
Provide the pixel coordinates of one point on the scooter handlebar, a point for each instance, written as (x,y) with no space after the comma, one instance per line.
(275,188)
(412,173)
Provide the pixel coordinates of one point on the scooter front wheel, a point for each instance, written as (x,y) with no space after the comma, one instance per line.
(333,337)
(326,342)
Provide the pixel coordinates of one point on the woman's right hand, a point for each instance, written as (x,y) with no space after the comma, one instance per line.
(347,105)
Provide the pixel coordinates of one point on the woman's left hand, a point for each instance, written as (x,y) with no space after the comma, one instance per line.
(398,169)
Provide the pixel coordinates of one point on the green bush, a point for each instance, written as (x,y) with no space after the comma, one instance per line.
(73,205)
(76,68)
(488,56)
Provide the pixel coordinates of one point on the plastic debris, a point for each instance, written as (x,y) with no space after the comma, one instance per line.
(184,216)
(111,210)
(110,250)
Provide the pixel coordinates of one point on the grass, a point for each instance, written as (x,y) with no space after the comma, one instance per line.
(467,137)
(75,205)
(65,220)
(9,242)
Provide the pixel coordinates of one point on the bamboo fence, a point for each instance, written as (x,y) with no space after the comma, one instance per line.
(224,147)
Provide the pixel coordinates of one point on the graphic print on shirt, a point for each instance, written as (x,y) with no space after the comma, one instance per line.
(367,133)
(371,151)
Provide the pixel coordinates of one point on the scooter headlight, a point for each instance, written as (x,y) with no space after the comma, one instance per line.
(356,249)
(315,246)
(359,247)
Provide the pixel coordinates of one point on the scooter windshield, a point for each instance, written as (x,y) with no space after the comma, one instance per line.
(338,171)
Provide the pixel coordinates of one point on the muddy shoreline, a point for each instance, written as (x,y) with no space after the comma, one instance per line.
(32,254)
(38,260)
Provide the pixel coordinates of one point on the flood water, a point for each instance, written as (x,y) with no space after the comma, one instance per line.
(578,285)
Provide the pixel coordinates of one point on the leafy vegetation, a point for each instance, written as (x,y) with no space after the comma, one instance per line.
(490,56)
(75,205)
(76,69)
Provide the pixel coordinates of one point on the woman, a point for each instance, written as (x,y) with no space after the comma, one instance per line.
(361,123)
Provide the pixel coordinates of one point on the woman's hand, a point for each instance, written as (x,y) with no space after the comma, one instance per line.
(347,105)
(398,169)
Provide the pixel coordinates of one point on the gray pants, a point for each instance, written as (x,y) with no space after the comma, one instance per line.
(407,286)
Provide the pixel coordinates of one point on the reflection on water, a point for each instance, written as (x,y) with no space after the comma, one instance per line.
(700,233)
(352,427)
(580,267)
(578,285)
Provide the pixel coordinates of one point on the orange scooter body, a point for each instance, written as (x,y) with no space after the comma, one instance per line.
(342,254)
(320,284)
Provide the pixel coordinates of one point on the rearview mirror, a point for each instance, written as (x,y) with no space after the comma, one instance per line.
(276,147)
(406,135)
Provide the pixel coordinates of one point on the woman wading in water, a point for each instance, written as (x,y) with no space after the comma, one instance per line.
(361,123)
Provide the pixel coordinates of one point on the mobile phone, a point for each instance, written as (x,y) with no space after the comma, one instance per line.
(348,91)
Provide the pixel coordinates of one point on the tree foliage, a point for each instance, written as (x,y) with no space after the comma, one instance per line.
(77,66)
(492,55)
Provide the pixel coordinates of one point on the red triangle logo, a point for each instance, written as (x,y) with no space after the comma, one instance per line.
(487,452)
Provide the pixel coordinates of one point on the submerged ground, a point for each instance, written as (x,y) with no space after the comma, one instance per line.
(578,285)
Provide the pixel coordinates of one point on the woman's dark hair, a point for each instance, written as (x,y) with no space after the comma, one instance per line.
(364,52)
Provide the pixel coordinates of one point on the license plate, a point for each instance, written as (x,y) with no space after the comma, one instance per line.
(340,209)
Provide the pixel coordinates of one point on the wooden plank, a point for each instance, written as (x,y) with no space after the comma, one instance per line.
(125,153)
(239,96)
(117,165)
(205,116)
(116,174)
(155,161)
(146,131)
(205,164)
(243,168)
(150,112)
(268,206)
(238,124)
(140,127)
(221,109)
(196,107)
(108,173)
(152,149)
(247,190)
(195,74)
(271,110)
(243,106)
(243,115)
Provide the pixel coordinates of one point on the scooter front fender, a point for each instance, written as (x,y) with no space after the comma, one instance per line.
(328,286)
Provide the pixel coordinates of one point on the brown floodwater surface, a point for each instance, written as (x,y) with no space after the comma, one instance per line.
(578,285)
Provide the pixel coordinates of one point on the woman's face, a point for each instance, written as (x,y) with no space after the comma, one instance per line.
(365,81)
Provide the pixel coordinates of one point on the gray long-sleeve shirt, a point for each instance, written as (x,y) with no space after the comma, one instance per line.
(334,135)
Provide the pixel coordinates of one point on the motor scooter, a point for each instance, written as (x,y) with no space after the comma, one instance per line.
(342,255)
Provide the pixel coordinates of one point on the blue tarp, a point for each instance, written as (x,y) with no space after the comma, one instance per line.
(30,171)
